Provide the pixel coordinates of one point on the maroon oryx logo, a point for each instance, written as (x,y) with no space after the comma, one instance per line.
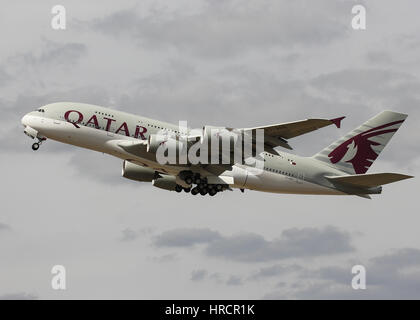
(358,149)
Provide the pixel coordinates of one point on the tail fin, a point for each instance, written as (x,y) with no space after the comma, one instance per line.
(355,152)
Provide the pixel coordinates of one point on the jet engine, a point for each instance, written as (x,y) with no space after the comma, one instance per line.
(165,182)
(138,173)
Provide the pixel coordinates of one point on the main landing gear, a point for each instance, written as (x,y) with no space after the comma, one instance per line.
(179,189)
(202,187)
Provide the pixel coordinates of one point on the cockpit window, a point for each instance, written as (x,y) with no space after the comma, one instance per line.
(40,110)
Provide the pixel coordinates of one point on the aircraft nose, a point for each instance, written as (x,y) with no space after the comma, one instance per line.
(24,120)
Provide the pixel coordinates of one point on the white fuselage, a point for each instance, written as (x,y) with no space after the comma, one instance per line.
(101,129)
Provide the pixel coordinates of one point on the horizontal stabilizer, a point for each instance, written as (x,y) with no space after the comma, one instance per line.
(368,180)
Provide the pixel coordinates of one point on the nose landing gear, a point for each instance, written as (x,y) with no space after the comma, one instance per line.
(36,145)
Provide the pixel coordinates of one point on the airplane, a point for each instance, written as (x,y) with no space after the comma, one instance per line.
(339,169)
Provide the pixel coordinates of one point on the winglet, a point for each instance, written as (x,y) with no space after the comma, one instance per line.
(337,121)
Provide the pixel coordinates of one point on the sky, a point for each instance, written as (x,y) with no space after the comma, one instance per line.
(233,63)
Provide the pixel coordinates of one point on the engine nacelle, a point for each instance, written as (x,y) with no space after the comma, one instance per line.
(138,173)
(165,182)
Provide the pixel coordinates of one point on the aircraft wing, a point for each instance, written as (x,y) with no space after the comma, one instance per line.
(277,134)
(274,135)
(136,148)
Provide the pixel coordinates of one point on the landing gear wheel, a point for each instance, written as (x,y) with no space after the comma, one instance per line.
(35,146)
(188,180)
(203,191)
(219,187)
(202,185)
(212,192)
(178,188)
(187,190)
(197,180)
(194,191)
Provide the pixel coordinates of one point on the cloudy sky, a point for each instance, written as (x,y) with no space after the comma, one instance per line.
(228,63)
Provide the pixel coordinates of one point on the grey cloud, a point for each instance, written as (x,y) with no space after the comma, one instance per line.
(166,258)
(19,296)
(85,163)
(370,82)
(62,54)
(234,281)
(396,51)
(293,243)
(399,258)
(408,42)
(220,29)
(4,77)
(185,237)
(251,247)
(379,57)
(281,284)
(218,99)
(128,234)
(328,290)
(4,227)
(202,274)
(53,54)
(43,69)
(217,277)
(392,271)
(337,274)
(168,78)
(276,295)
(198,275)
(395,275)
(238,247)
(276,270)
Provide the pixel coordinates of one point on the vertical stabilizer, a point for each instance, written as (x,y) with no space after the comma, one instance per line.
(355,152)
